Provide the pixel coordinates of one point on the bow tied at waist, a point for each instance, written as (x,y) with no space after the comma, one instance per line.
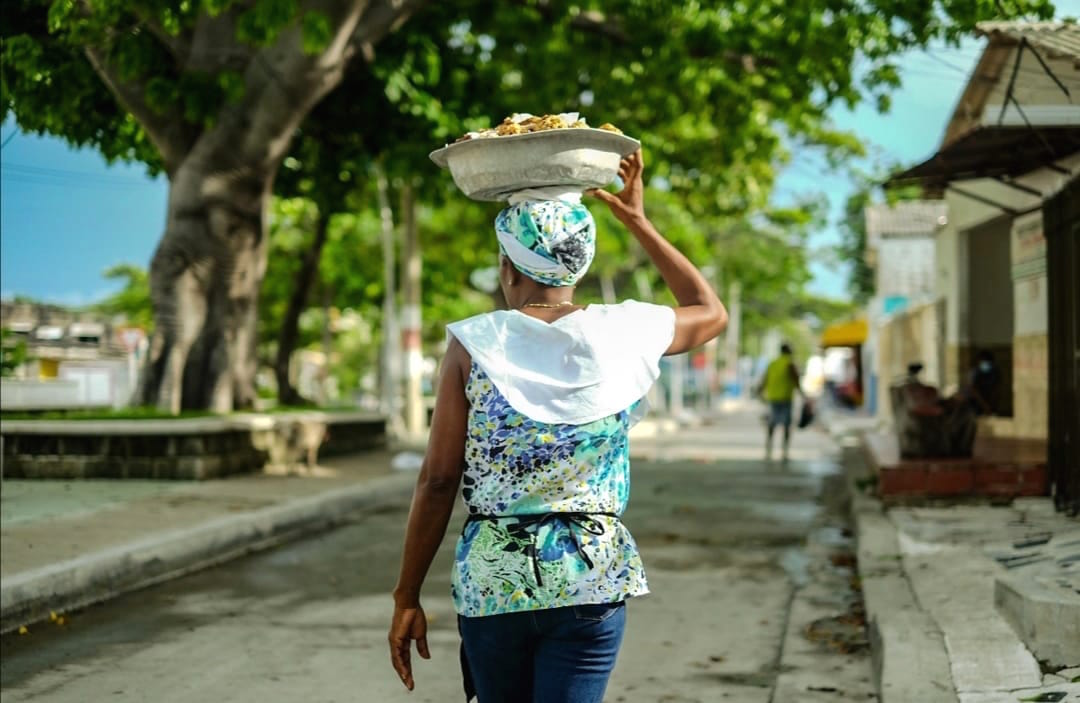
(530,525)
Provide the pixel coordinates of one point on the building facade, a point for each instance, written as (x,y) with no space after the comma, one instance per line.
(1010,158)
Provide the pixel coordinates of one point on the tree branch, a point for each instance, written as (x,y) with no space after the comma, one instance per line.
(283,83)
(597,23)
(592,21)
(381,17)
(214,45)
(169,133)
(178,46)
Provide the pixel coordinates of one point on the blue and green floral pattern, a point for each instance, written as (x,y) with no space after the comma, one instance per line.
(556,231)
(516,466)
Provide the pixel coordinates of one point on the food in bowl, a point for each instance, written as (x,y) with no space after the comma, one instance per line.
(524,123)
(535,153)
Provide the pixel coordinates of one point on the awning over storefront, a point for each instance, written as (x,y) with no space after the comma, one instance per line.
(844,334)
(993,152)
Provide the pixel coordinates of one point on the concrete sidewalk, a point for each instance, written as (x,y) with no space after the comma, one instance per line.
(67,544)
(948,587)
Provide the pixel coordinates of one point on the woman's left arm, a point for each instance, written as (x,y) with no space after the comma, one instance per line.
(433,502)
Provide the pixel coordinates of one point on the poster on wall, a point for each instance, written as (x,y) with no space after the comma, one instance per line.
(1028,258)
(1028,246)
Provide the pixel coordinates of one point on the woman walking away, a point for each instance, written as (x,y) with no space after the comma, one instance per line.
(533,408)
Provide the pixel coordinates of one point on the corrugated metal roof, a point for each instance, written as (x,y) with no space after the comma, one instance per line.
(1057,39)
(905,219)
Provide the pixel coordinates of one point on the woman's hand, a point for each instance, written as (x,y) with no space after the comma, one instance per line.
(629,203)
(409,624)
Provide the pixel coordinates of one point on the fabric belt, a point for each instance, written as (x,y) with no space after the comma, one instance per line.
(586,522)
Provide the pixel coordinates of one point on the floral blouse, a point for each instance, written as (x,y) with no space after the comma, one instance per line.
(543,500)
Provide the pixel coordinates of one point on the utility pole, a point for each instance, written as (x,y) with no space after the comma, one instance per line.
(607,289)
(390,327)
(412,264)
(327,345)
(731,340)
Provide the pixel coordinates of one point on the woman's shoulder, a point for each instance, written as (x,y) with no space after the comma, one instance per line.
(627,306)
(482,321)
(644,317)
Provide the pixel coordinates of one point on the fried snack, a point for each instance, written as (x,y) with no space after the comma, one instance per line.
(526,124)
(508,128)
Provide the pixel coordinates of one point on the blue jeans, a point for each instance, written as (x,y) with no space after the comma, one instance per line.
(559,655)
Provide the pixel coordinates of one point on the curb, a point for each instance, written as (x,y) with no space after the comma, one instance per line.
(30,596)
(907,648)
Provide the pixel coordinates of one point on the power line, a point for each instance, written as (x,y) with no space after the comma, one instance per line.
(1034,71)
(943,62)
(10,137)
(18,173)
(52,171)
(89,184)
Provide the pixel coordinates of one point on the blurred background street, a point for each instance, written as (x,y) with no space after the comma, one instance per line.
(234,234)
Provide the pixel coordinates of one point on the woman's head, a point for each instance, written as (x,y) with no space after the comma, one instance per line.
(551,242)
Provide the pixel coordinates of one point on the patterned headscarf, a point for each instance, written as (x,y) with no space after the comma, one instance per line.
(550,241)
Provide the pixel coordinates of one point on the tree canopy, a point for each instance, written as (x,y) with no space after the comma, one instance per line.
(218,94)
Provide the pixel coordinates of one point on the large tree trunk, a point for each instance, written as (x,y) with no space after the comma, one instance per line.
(207,270)
(204,284)
(290,326)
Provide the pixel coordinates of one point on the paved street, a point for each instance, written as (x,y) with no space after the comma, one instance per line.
(724,539)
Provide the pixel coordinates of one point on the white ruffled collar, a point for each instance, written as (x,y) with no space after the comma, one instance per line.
(584,366)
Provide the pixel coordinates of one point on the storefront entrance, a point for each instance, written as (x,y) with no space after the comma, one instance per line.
(1061,224)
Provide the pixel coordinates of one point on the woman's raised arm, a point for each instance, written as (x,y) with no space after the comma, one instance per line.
(700,315)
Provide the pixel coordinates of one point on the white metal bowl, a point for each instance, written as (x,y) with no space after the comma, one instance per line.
(491,168)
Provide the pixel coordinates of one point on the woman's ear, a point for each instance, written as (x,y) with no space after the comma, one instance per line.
(507,273)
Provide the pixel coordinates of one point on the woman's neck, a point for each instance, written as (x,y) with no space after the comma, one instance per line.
(542,297)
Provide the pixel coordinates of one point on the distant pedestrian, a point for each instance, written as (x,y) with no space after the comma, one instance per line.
(778,388)
(532,411)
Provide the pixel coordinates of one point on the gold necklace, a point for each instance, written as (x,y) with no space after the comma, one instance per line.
(562,304)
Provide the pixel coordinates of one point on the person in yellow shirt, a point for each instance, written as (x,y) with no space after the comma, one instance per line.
(778,388)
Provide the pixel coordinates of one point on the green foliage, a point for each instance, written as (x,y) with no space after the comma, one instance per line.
(316,32)
(711,89)
(853,235)
(713,93)
(262,23)
(852,247)
(349,284)
(133,300)
(51,88)
(12,353)
(717,92)
(133,413)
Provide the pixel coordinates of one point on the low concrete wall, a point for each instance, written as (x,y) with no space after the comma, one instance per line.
(185,449)
(1045,614)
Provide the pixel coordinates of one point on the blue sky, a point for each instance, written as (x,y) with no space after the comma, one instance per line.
(910,132)
(66,216)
